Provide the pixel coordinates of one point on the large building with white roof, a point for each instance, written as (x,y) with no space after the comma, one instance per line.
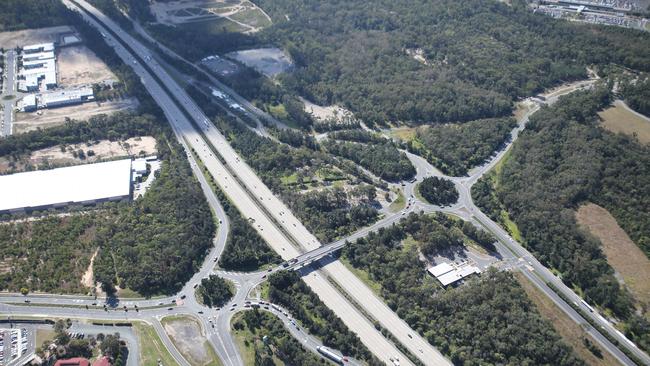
(61,98)
(448,274)
(54,188)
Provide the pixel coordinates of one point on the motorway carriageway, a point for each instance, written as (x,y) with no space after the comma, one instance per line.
(373,339)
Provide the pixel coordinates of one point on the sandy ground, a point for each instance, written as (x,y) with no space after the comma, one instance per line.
(521,108)
(52,117)
(329,113)
(268,61)
(621,119)
(186,334)
(88,279)
(78,65)
(621,252)
(29,36)
(103,149)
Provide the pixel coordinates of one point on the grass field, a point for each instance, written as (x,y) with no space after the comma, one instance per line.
(570,332)
(399,203)
(363,276)
(243,340)
(252,17)
(403,133)
(214,26)
(620,119)
(43,335)
(621,252)
(151,347)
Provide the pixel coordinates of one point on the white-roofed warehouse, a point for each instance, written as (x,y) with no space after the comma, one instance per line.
(81,184)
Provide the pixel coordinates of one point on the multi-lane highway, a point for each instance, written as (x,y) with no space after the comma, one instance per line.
(273,220)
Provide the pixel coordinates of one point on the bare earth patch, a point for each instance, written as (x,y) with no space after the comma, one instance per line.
(88,279)
(570,332)
(621,252)
(30,36)
(186,334)
(403,133)
(47,118)
(521,108)
(621,119)
(103,149)
(78,65)
(332,113)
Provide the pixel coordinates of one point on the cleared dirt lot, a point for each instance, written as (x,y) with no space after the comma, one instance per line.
(103,149)
(78,65)
(268,61)
(29,36)
(185,333)
(26,122)
(621,252)
(621,119)
(241,16)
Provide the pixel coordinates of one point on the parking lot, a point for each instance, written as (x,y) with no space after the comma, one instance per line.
(16,345)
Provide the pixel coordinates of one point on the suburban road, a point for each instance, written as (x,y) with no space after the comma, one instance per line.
(279,228)
(9,89)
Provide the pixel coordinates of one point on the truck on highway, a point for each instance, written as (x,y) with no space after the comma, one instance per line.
(329,354)
(587,305)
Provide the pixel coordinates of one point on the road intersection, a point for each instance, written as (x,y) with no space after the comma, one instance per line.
(291,241)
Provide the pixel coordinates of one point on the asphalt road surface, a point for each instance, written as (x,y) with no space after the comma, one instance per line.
(9,88)
(277,225)
(268,204)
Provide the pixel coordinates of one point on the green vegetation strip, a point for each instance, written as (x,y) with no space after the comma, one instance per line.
(597,327)
(152,348)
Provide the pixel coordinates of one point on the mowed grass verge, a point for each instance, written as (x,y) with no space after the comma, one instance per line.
(151,347)
(620,119)
(621,252)
(571,333)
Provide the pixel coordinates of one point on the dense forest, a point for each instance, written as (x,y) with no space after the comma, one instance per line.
(22,14)
(564,159)
(214,291)
(475,56)
(456,148)
(152,245)
(287,289)
(278,343)
(438,191)
(489,320)
(155,245)
(637,94)
(383,159)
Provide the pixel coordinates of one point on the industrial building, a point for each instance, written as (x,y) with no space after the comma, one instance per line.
(54,188)
(28,103)
(38,66)
(448,274)
(61,98)
(41,47)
